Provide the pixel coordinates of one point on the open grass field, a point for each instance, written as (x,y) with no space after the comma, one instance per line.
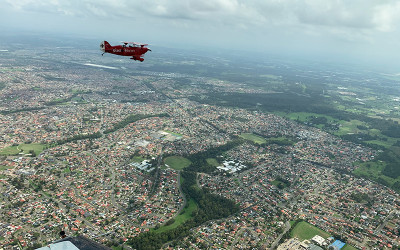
(305,231)
(2,167)
(177,162)
(38,148)
(277,182)
(138,159)
(349,127)
(386,144)
(251,137)
(348,247)
(275,77)
(212,162)
(173,133)
(373,170)
(346,127)
(259,140)
(181,218)
(13,150)
(117,248)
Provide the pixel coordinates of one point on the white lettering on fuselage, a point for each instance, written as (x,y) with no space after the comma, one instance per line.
(125,50)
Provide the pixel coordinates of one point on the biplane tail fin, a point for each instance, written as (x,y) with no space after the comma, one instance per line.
(104,45)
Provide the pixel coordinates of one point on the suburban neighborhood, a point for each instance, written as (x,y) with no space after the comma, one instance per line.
(100,155)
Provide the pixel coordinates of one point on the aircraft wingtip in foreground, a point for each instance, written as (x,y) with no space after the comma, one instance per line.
(136,50)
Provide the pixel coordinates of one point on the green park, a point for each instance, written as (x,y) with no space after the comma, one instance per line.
(252,137)
(177,162)
(185,215)
(24,148)
(305,231)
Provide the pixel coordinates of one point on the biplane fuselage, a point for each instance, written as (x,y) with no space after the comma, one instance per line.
(135,50)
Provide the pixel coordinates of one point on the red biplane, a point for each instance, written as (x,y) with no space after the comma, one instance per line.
(135,50)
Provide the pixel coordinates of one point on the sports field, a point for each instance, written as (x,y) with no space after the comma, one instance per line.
(252,137)
(13,150)
(348,247)
(212,162)
(305,231)
(38,148)
(177,162)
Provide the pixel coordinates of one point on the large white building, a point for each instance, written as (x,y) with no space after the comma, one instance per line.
(320,241)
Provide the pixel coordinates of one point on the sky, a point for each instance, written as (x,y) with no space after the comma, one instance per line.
(364,30)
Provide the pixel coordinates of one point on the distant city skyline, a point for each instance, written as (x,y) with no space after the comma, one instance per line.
(364,31)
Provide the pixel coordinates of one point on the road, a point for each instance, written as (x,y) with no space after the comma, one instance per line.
(276,242)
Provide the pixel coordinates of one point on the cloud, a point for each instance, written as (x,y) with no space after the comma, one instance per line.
(386,16)
(335,13)
(374,14)
(343,19)
(188,9)
(356,14)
